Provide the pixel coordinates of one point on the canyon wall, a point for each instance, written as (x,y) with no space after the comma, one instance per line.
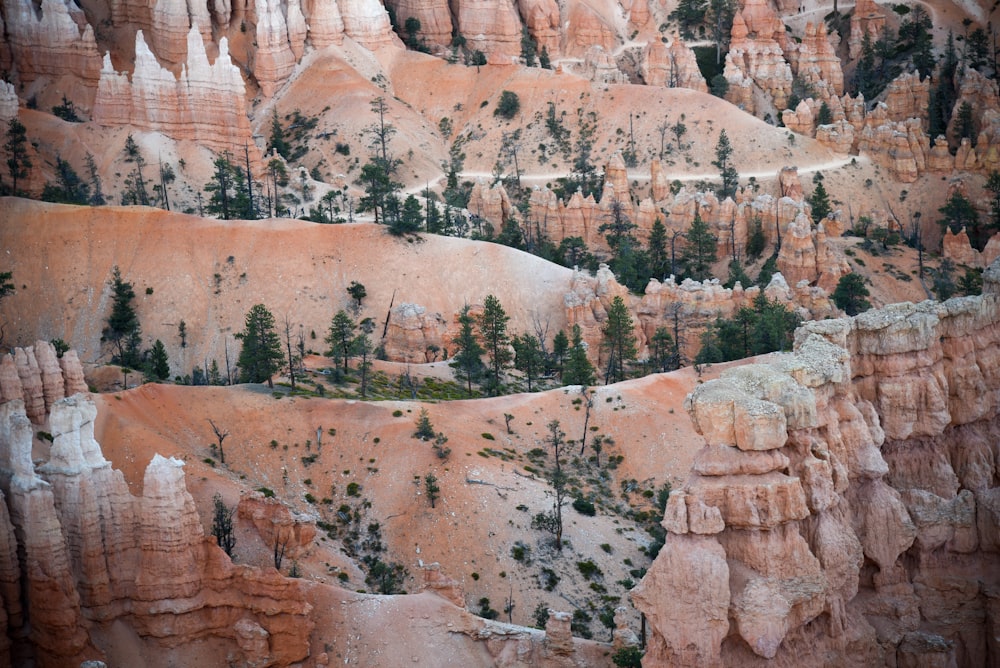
(846,503)
(80,553)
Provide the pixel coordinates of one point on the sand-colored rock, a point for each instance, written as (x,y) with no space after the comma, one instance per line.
(206,104)
(326,25)
(50,43)
(817,60)
(276,524)
(674,66)
(8,102)
(490,26)
(686,598)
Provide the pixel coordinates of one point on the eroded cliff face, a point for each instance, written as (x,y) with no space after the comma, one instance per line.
(80,553)
(845,506)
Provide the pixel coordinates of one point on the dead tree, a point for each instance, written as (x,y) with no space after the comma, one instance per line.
(220,435)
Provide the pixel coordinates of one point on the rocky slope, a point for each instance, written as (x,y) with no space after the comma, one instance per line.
(91,572)
(845,502)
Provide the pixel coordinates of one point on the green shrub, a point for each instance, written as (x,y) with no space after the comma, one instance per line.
(584,507)
(353,489)
(267,492)
(508,106)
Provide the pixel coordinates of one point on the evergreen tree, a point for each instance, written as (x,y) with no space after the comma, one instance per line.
(775,326)
(529,48)
(560,348)
(340,337)
(661,351)
(544,60)
(963,123)
(278,142)
(261,355)
(18,162)
(69,188)
(528,357)
(123,330)
(756,242)
(96,193)
(700,250)
(820,202)
(723,162)
(960,213)
(228,199)
(135,182)
(619,341)
(425,430)
(493,331)
(993,185)
(159,364)
(689,15)
(824,116)
(468,362)
(656,251)
(432,488)
(578,370)
(410,219)
(737,275)
(850,293)
(363,349)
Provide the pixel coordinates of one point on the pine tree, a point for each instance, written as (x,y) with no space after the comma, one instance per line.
(723,162)
(410,219)
(159,364)
(820,203)
(619,341)
(278,142)
(560,348)
(135,182)
(432,488)
(425,430)
(96,193)
(261,355)
(18,162)
(468,362)
(661,351)
(656,251)
(756,242)
(123,329)
(493,331)
(700,250)
(528,357)
(578,370)
(850,293)
(824,116)
(340,337)
(69,188)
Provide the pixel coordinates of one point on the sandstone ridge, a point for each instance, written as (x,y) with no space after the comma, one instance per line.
(845,500)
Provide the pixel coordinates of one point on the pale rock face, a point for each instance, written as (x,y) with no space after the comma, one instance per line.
(686,598)
(94,552)
(817,60)
(326,25)
(50,43)
(366,22)
(758,55)
(600,66)
(673,67)
(169,553)
(274,60)
(171,21)
(206,104)
(542,20)
(880,508)
(416,335)
(31,383)
(276,523)
(585,29)
(8,101)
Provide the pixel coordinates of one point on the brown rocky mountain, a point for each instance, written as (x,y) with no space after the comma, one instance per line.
(831,505)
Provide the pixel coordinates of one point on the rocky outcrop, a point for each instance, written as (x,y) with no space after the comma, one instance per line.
(491,26)
(867,19)
(8,102)
(88,550)
(816,61)
(207,103)
(756,54)
(958,249)
(414,335)
(277,524)
(673,67)
(844,500)
(39,378)
(50,43)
